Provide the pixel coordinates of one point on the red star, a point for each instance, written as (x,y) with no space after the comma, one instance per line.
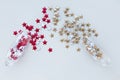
(13,57)
(15,33)
(41,36)
(30,28)
(24,24)
(43,19)
(50,49)
(20,31)
(18,45)
(37,29)
(37,20)
(46,15)
(44,42)
(34,35)
(24,42)
(48,21)
(44,11)
(32,42)
(29,33)
(44,8)
(44,27)
(34,47)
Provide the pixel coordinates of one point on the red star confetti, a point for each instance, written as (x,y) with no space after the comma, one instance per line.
(48,21)
(37,20)
(73,30)
(44,42)
(42,36)
(44,19)
(24,24)
(46,16)
(50,49)
(37,29)
(44,8)
(44,27)
(31,35)
(15,33)
(34,47)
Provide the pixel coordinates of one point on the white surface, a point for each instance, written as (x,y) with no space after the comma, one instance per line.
(61,64)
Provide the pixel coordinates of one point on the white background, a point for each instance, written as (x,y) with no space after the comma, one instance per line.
(62,64)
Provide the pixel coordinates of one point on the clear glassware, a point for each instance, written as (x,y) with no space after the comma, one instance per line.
(17,50)
(96,53)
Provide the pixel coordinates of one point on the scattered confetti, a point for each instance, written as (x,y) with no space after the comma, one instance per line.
(50,49)
(30,35)
(72,31)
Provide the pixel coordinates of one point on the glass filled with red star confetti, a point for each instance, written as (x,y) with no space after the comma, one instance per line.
(17,50)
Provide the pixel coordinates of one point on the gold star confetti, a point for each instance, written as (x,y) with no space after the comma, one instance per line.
(96,34)
(72,14)
(78,49)
(82,24)
(99,55)
(73,29)
(67,46)
(50,9)
(88,24)
(62,40)
(54,29)
(52,35)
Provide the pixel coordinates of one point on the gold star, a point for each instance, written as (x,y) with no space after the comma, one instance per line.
(66,21)
(99,55)
(50,9)
(52,35)
(58,9)
(98,49)
(89,30)
(67,9)
(57,15)
(62,40)
(55,23)
(81,17)
(84,34)
(56,20)
(78,49)
(77,19)
(72,14)
(67,41)
(67,15)
(65,12)
(96,34)
(60,33)
(88,24)
(82,24)
(93,30)
(68,34)
(67,46)
(82,29)
(54,29)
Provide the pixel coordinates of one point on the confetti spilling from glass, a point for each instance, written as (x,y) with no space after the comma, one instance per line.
(74,31)
(31,35)
(17,51)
